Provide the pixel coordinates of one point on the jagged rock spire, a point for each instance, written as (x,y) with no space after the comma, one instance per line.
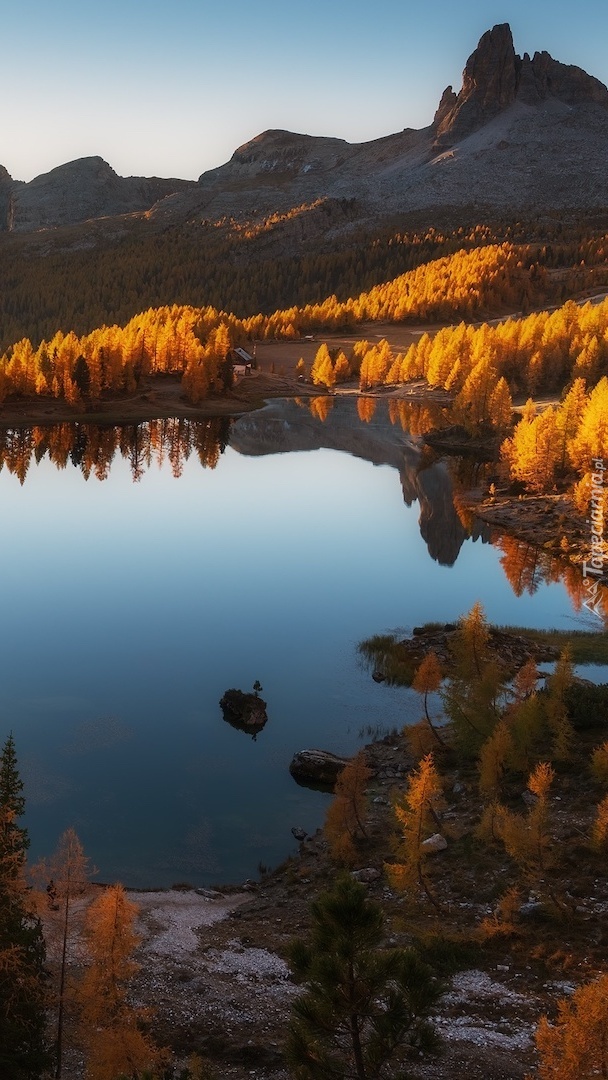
(495,76)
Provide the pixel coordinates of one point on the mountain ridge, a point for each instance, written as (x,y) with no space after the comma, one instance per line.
(515,136)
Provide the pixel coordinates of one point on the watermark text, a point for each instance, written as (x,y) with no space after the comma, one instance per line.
(593,569)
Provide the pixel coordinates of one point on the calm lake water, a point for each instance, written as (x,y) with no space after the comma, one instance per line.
(130,603)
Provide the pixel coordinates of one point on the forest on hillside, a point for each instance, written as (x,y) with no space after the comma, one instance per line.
(68,280)
(558,348)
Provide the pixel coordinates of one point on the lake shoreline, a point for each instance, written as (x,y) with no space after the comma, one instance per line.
(155,399)
(162,398)
(548,523)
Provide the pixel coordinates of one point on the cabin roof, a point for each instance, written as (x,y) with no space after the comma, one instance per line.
(244,355)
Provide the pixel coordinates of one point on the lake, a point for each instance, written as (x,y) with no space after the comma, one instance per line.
(148,569)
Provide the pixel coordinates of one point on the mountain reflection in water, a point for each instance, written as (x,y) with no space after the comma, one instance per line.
(385,437)
(382,432)
(129,608)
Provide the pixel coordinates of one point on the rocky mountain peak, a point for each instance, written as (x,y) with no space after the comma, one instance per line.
(490,73)
(85,169)
(495,77)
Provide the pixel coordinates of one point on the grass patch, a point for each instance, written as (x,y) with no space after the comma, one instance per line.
(392,657)
(385,653)
(448,953)
(586,646)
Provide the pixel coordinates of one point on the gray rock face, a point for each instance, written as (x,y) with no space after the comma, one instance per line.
(279,152)
(367,875)
(434,844)
(495,77)
(513,139)
(80,190)
(489,84)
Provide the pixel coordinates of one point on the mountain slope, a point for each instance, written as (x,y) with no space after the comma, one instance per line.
(522,134)
(78,191)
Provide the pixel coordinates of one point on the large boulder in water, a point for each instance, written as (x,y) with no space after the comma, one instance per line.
(245,711)
(317,767)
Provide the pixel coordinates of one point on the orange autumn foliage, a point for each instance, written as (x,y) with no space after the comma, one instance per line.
(110,1025)
(345,818)
(575,1047)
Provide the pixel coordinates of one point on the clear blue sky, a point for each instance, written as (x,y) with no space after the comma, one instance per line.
(172,88)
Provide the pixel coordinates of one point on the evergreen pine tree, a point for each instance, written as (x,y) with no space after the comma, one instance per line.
(23,1049)
(362,1002)
(11,792)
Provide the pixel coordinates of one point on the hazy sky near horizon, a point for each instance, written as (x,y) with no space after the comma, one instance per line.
(172,89)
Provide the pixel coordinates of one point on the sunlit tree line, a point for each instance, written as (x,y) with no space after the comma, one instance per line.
(561,443)
(113,360)
(463,284)
(193,342)
(239,266)
(540,351)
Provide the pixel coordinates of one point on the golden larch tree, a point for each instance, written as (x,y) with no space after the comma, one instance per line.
(575,1047)
(66,874)
(416,815)
(110,1025)
(427,680)
(528,838)
(345,819)
(600,825)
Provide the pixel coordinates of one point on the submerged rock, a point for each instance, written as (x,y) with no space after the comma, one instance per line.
(317,767)
(245,711)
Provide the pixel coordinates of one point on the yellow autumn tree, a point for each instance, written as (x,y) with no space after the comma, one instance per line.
(591,440)
(345,819)
(66,876)
(493,759)
(556,708)
(471,696)
(600,825)
(533,453)
(527,838)
(575,1047)
(427,680)
(111,1026)
(599,762)
(417,817)
(322,371)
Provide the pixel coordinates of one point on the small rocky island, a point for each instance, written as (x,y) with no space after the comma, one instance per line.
(245,711)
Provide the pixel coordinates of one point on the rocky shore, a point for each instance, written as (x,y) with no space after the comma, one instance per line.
(213,962)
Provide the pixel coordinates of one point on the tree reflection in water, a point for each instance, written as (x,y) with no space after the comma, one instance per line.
(92,448)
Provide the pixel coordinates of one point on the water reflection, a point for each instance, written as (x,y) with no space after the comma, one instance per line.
(381,432)
(527,567)
(130,607)
(92,448)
